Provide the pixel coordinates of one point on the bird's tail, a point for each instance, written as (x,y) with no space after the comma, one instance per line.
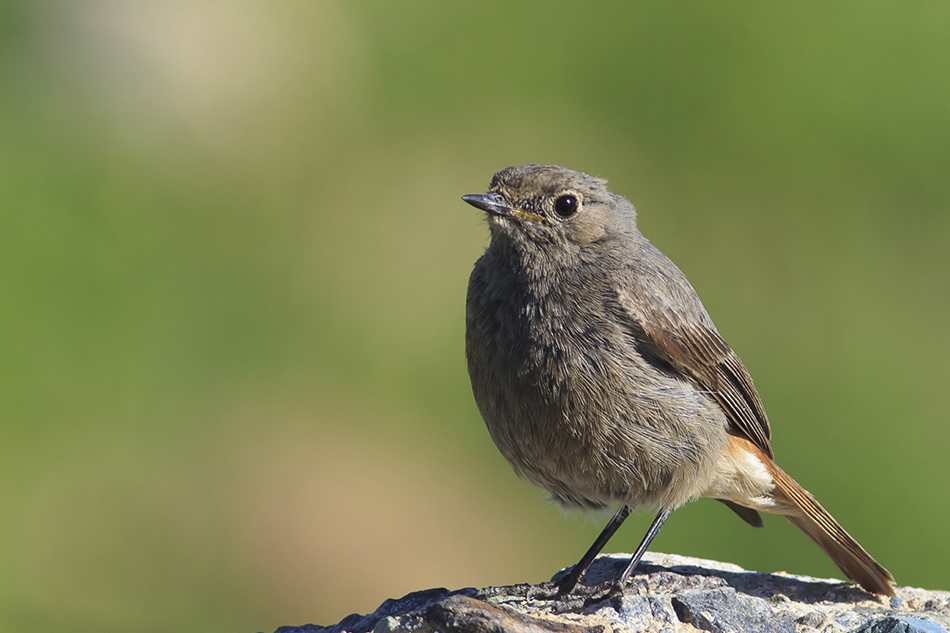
(805,513)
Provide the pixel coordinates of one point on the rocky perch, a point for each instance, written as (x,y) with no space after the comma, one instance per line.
(668,593)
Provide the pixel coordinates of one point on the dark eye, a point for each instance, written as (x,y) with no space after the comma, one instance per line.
(566,205)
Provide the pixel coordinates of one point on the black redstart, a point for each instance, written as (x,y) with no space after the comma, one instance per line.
(602,379)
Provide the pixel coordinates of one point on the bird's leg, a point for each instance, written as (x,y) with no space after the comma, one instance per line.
(658,522)
(566,586)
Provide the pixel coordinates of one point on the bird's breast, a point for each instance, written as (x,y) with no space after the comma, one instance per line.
(573,405)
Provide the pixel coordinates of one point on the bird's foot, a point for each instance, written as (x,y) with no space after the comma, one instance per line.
(577,598)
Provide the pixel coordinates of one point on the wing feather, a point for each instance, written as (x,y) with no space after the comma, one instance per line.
(690,344)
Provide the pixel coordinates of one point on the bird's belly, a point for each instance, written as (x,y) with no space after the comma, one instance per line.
(596,425)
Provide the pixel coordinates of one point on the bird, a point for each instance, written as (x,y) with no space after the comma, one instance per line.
(602,378)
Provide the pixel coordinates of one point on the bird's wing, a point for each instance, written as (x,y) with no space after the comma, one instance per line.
(692,346)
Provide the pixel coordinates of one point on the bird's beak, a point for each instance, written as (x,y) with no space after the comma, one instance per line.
(493,203)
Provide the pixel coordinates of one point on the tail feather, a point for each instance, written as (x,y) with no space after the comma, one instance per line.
(748,515)
(805,513)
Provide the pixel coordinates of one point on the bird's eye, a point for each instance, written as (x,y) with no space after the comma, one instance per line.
(566,205)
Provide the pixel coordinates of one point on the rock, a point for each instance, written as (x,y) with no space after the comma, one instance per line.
(668,593)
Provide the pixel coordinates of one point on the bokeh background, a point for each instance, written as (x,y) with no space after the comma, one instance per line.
(233,264)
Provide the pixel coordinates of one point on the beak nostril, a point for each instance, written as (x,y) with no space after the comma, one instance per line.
(493,203)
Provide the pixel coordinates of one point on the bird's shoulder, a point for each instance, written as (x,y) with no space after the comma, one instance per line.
(658,307)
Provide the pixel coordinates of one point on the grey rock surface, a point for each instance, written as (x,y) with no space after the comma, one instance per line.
(668,593)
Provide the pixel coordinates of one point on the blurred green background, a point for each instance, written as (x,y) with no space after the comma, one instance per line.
(233,264)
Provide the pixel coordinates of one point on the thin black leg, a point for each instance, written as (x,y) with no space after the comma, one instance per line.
(658,522)
(567,585)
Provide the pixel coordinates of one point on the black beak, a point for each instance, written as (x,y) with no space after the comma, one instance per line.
(493,203)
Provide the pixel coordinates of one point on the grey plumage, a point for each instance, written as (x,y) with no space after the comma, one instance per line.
(599,373)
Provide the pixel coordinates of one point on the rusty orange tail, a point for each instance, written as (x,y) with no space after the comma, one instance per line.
(805,513)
